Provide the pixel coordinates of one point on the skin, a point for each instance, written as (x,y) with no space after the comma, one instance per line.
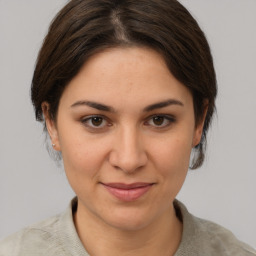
(126,145)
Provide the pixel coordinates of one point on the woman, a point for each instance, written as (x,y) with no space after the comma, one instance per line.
(126,89)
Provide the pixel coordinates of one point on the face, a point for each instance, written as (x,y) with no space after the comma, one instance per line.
(125,127)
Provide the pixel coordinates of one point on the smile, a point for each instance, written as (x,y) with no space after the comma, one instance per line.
(127,192)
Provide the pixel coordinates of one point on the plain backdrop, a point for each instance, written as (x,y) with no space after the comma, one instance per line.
(33,188)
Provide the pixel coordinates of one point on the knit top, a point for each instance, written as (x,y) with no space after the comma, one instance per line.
(57,236)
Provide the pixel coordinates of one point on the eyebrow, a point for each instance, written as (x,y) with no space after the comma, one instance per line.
(103,107)
(92,104)
(163,104)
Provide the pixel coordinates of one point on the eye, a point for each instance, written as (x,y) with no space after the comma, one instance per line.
(95,122)
(160,121)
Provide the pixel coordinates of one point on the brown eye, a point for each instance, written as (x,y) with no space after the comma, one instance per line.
(96,121)
(158,120)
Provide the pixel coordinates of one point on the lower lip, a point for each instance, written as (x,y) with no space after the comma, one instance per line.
(128,195)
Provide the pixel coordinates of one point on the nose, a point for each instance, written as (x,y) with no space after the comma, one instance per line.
(128,153)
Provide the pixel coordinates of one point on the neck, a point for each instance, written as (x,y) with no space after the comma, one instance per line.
(161,237)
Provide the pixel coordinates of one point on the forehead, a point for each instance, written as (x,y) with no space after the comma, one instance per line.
(131,74)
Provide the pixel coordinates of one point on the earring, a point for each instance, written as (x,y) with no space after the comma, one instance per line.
(53,145)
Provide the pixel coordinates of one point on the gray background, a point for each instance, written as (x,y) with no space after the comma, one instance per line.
(33,188)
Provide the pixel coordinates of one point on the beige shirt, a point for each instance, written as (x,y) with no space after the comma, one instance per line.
(58,237)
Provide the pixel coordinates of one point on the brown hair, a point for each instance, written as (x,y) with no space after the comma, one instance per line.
(85,27)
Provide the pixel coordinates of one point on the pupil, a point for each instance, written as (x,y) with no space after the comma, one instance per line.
(97,121)
(158,120)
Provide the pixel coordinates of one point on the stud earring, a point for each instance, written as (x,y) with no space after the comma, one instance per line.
(53,145)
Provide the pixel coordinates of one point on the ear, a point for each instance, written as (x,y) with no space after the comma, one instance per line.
(51,126)
(200,126)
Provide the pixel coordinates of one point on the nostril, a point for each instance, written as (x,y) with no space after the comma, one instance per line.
(128,153)
(128,163)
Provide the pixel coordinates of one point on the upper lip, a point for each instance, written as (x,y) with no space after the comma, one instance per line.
(127,186)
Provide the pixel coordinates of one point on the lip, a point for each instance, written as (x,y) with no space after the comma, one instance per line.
(127,192)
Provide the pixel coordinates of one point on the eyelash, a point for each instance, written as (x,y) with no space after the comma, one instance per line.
(168,120)
(85,121)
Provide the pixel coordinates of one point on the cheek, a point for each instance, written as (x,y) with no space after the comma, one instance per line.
(82,156)
(173,154)
(172,162)
(82,164)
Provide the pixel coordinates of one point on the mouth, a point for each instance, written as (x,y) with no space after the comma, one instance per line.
(128,192)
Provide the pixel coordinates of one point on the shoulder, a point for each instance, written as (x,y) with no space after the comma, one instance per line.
(56,236)
(203,237)
(31,240)
(220,240)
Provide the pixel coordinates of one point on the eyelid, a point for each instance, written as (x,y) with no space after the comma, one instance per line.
(170,118)
(84,121)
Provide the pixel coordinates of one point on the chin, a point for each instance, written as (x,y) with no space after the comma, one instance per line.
(129,219)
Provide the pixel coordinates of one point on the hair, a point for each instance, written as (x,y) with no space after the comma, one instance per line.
(85,27)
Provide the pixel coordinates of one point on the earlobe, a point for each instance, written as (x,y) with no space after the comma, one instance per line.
(51,126)
(197,135)
(200,126)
